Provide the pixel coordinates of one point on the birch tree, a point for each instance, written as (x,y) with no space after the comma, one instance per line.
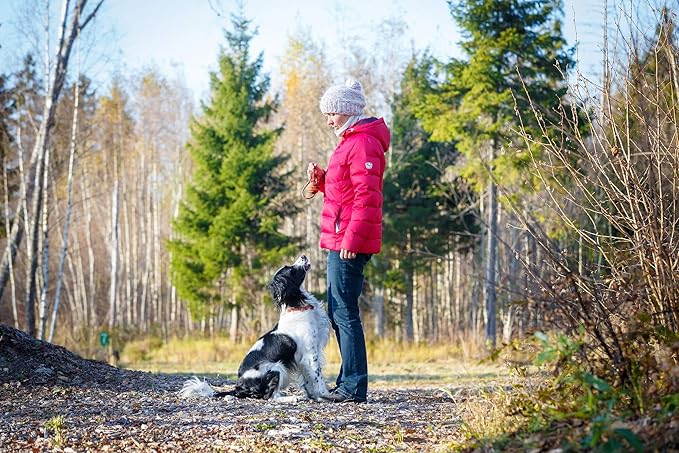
(73,20)
(158,162)
(114,138)
(69,207)
(7,109)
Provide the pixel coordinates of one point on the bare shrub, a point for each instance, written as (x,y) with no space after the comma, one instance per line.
(608,172)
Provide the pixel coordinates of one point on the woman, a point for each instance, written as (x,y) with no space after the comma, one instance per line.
(351,224)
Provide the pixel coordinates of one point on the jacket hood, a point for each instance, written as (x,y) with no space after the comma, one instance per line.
(376,127)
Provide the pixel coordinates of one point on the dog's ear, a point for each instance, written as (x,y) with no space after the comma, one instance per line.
(276,288)
(272,378)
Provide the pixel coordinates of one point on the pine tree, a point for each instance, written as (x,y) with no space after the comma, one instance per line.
(513,46)
(229,220)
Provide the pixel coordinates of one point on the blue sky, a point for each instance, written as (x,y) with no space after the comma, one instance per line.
(184,36)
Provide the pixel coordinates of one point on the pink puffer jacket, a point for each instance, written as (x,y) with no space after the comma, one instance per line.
(352,185)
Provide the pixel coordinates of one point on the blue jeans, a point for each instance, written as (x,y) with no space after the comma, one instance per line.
(345,283)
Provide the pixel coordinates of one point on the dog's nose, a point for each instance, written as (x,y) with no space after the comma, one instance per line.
(304,259)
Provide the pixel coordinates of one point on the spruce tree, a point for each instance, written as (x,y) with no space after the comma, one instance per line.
(516,54)
(227,229)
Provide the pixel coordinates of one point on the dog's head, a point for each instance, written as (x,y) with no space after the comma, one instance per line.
(257,385)
(286,284)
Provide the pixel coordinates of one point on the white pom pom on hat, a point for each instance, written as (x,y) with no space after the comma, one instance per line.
(353,84)
(347,99)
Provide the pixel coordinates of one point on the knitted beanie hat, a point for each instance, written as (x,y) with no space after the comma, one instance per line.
(347,99)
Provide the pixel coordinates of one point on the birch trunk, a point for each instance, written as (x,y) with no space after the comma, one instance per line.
(491,257)
(457,292)
(114,251)
(233,327)
(87,313)
(436,310)
(44,238)
(12,284)
(408,327)
(174,302)
(20,223)
(32,249)
(137,312)
(378,303)
(44,221)
(134,265)
(160,314)
(90,294)
(145,235)
(69,206)
(417,307)
(146,306)
(72,296)
(510,315)
(445,283)
(127,254)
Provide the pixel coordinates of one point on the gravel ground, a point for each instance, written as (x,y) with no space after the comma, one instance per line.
(97,419)
(52,400)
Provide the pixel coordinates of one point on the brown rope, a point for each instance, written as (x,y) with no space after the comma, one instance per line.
(304,191)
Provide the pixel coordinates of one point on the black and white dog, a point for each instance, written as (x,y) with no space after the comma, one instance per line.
(290,352)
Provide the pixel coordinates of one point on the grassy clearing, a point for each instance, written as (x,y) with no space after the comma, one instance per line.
(390,363)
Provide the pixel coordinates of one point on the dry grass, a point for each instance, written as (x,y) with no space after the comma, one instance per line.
(487,417)
(390,363)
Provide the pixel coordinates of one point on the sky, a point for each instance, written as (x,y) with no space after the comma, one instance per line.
(183,37)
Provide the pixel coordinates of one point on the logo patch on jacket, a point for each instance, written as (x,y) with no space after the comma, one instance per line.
(369,165)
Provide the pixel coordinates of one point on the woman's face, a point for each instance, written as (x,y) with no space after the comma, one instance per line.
(336,120)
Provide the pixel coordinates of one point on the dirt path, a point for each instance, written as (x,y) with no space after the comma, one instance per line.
(105,408)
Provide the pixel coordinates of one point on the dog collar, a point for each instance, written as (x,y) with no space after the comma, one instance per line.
(302,308)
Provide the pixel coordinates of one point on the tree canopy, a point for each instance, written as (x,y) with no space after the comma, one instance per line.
(515,51)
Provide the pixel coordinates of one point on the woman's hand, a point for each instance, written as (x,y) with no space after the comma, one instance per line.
(314,172)
(347,255)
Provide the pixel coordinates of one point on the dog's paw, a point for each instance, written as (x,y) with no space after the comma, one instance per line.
(286,399)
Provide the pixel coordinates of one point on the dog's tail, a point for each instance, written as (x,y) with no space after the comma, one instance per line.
(196,387)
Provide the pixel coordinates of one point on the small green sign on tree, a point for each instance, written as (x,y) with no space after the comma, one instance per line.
(104,338)
(228,226)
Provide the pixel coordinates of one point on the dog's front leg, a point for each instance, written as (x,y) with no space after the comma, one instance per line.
(314,382)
